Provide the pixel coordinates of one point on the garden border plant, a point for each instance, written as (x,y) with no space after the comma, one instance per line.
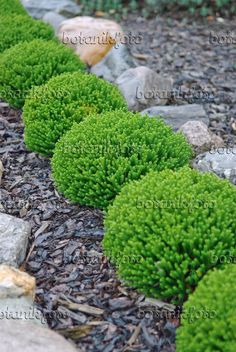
(96,158)
(16,28)
(9,7)
(208,321)
(51,109)
(26,65)
(174,221)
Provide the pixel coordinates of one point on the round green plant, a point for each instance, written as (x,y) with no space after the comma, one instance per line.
(173,226)
(209,316)
(20,28)
(63,100)
(10,7)
(26,65)
(97,157)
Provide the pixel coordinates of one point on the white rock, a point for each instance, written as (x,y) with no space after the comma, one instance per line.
(143,87)
(14,234)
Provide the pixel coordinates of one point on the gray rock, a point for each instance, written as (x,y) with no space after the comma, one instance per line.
(38,9)
(4,105)
(143,87)
(221,161)
(20,336)
(21,309)
(14,234)
(176,116)
(114,63)
(1,171)
(54,19)
(200,137)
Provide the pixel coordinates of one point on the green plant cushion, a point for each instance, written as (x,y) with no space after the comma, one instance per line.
(96,158)
(63,100)
(15,29)
(10,7)
(176,224)
(26,65)
(208,321)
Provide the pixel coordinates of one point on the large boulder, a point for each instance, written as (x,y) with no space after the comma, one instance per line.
(143,87)
(91,38)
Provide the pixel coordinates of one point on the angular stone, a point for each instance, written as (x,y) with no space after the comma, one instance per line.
(143,87)
(221,161)
(200,137)
(14,234)
(177,115)
(38,9)
(117,61)
(15,283)
(20,336)
(91,38)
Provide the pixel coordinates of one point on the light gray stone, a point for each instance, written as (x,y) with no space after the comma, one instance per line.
(21,308)
(200,137)
(54,19)
(177,115)
(14,234)
(143,87)
(19,336)
(114,63)
(221,161)
(4,105)
(38,9)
